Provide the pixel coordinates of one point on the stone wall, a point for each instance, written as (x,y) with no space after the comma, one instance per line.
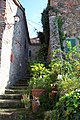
(70,12)
(54,42)
(14,45)
(34,50)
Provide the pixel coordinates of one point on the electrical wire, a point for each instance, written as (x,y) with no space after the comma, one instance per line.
(33,27)
(34,22)
(32,32)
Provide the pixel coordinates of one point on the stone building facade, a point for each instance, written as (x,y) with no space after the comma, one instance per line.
(14,39)
(69,11)
(33,49)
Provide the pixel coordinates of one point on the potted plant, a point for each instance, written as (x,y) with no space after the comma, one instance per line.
(26,100)
(39,83)
(42,80)
(39,86)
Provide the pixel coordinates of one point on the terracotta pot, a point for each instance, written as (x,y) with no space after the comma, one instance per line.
(52,94)
(35,105)
(38,92)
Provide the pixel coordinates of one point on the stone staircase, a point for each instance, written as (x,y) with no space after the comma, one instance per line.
(11,107)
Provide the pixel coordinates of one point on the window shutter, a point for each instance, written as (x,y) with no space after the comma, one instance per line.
(73,42)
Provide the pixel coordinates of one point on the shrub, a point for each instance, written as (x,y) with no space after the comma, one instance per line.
(67,67)
(68,107)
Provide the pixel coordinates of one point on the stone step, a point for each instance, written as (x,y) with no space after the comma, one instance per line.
(9,110)
(25,79)
(11,91)
(11,104)
(12,114)
(21,84)
(24,82)
(18,87)
(27,75)
(11,96)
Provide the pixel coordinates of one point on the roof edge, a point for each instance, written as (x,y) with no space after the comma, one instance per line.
(19,5)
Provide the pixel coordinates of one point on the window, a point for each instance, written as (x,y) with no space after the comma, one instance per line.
(29,53)
(72,42)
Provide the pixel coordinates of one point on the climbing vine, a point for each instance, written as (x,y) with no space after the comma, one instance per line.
(62,36)
(45,23)
(45,35)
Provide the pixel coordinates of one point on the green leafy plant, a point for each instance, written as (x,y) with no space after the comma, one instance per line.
(40,77)
(39,70)
(25,99)
(68,107)
(20,117)
(63,72)
(68,68)
(62,36)
(41,55)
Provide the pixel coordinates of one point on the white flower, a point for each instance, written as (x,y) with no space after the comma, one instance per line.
(59,77)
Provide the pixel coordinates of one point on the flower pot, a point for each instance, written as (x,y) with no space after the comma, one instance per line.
(38,92)
(35,105)
(52,94)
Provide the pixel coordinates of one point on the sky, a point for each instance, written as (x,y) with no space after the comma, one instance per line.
(33,10)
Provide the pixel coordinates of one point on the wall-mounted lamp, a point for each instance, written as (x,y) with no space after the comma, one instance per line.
(16,18)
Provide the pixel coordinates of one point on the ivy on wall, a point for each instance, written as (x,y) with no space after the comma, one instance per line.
(62,36)
(45,23)
(45,35)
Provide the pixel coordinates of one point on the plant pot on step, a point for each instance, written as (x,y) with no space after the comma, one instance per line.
(38,92)
(35,105)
